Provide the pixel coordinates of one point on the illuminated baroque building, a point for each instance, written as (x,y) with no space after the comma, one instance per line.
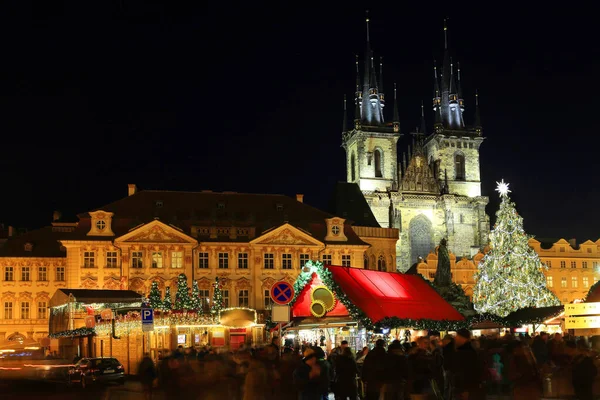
(572,269)
(250,240)
(437,193)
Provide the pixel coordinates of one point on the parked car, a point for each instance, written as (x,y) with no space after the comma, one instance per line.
(101,370)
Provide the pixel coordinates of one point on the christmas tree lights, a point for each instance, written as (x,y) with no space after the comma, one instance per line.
(154,296)
(195,302)
(182,297)
(167,303)
(510,275)
(217,303)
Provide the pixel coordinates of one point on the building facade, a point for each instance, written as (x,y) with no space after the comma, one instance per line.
(572,269)
(248,240)
(437,193)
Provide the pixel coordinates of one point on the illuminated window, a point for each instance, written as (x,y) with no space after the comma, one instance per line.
(459,167)
(584,264)
(243,298)
(60,274)
(268,301)
(378,173)
(303,259)
(25,274)
(24,310)
(157,259)
(137,260)
(223,260)
(111,259)
(381,264)
(204,295)
(573,264)
(549,282)
(595,264)
(9,274)
(8,310)
(42,310)
(203,260)
(563,264)
(586,282)
(563,282)
(243,260)
(286,261)
(573,281)
(345,260)
(327,259)
(177,259)
(89,259)
(225,294)
(42,273)
(269,261)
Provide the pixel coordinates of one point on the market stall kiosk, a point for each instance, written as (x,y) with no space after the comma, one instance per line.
(334,303)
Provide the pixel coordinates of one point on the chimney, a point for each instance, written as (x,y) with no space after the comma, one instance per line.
(11,231)
(573,242)
(300,198)
(132,189)
(56,215)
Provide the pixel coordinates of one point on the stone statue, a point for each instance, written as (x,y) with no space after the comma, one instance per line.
(442,273)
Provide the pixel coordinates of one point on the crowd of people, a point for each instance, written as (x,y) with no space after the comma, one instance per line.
(454,367)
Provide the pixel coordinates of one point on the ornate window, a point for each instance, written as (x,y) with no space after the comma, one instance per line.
(421,238)
(381,264)
(549,264)
(89,259)
(352,167)
(459,167)
(303,259)
(549,281)
(573,264)
(204,295)
(223,260)
(573,281)
(157,259)
(25,275)
(60,274)
(586,282)
(268,301)
(327,259)
(243,298)
(269,261)
(378,160)
(203,260)
(24,310)
(8,310)
(563,282)
(286,261)
(111,259)
(42,310)
(346,260)
(9,274)
(584,264)
(177,259)
(225,295)
(42,273)
(366,261)
(137,259)
(563,264)
(243,260)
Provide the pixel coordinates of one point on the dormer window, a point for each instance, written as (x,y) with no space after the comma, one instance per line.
(28,246)
(220,206)
(335,229)
(279,207)
(101,224)
(159,203)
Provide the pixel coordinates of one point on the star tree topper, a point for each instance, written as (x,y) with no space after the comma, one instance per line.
(502,188)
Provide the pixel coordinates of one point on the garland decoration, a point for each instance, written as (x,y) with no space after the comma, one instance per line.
(72,333)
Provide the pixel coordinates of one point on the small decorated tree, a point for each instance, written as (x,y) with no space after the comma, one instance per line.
(167,303)
(182,297)
(510,275)
(154,296)
(217,301)
(196,303)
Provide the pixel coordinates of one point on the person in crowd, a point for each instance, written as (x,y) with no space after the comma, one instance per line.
(468,368)
(449,357)
(345,368)
(147,373)
(556,350)
(397,372)
(421,370)
(583,371)
(256,383)
(360,357)
(290,360)
(524,373)
(540,349)
(310,379)
(373,370)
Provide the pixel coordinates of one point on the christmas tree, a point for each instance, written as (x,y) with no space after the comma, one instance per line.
(510,275)
(182,297)
(167,304)
(196,303)
(154,296)
(217,303)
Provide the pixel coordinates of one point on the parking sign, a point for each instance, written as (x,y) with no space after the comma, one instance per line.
(147,319)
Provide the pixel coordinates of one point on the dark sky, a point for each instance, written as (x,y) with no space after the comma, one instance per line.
(95,95)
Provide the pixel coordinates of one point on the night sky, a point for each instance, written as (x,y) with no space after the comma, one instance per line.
(95,96)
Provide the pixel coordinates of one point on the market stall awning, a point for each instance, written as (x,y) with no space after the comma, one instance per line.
(90,296)
(390,294)
(377,294)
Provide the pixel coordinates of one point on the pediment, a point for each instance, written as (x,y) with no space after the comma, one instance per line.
(156,232)
(419,177)
(286,235)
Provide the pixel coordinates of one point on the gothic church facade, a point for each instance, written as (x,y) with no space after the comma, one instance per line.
(437,193)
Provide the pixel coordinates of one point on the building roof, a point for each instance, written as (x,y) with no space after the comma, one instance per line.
(349,202)
(44,243)
(227,209)
(89,296)
(384,294)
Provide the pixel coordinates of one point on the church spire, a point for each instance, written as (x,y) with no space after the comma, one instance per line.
(396,119)
(437,100)
(477,115)
(451,104)
(357,98)
(423,124)
(345,121)
(372,100)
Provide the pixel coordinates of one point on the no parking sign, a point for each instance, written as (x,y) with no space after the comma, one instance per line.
(282,292)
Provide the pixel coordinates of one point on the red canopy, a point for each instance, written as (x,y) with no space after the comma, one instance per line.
(383,294)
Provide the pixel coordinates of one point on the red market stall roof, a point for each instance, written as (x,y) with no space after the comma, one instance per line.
(380,295)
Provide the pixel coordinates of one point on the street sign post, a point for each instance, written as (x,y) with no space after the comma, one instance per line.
(282,292)
(147,319)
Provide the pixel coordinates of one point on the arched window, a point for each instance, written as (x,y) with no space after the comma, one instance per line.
(381,264)
(420,233)
(378,157)
(352,168)
(366,262)
(459,167)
